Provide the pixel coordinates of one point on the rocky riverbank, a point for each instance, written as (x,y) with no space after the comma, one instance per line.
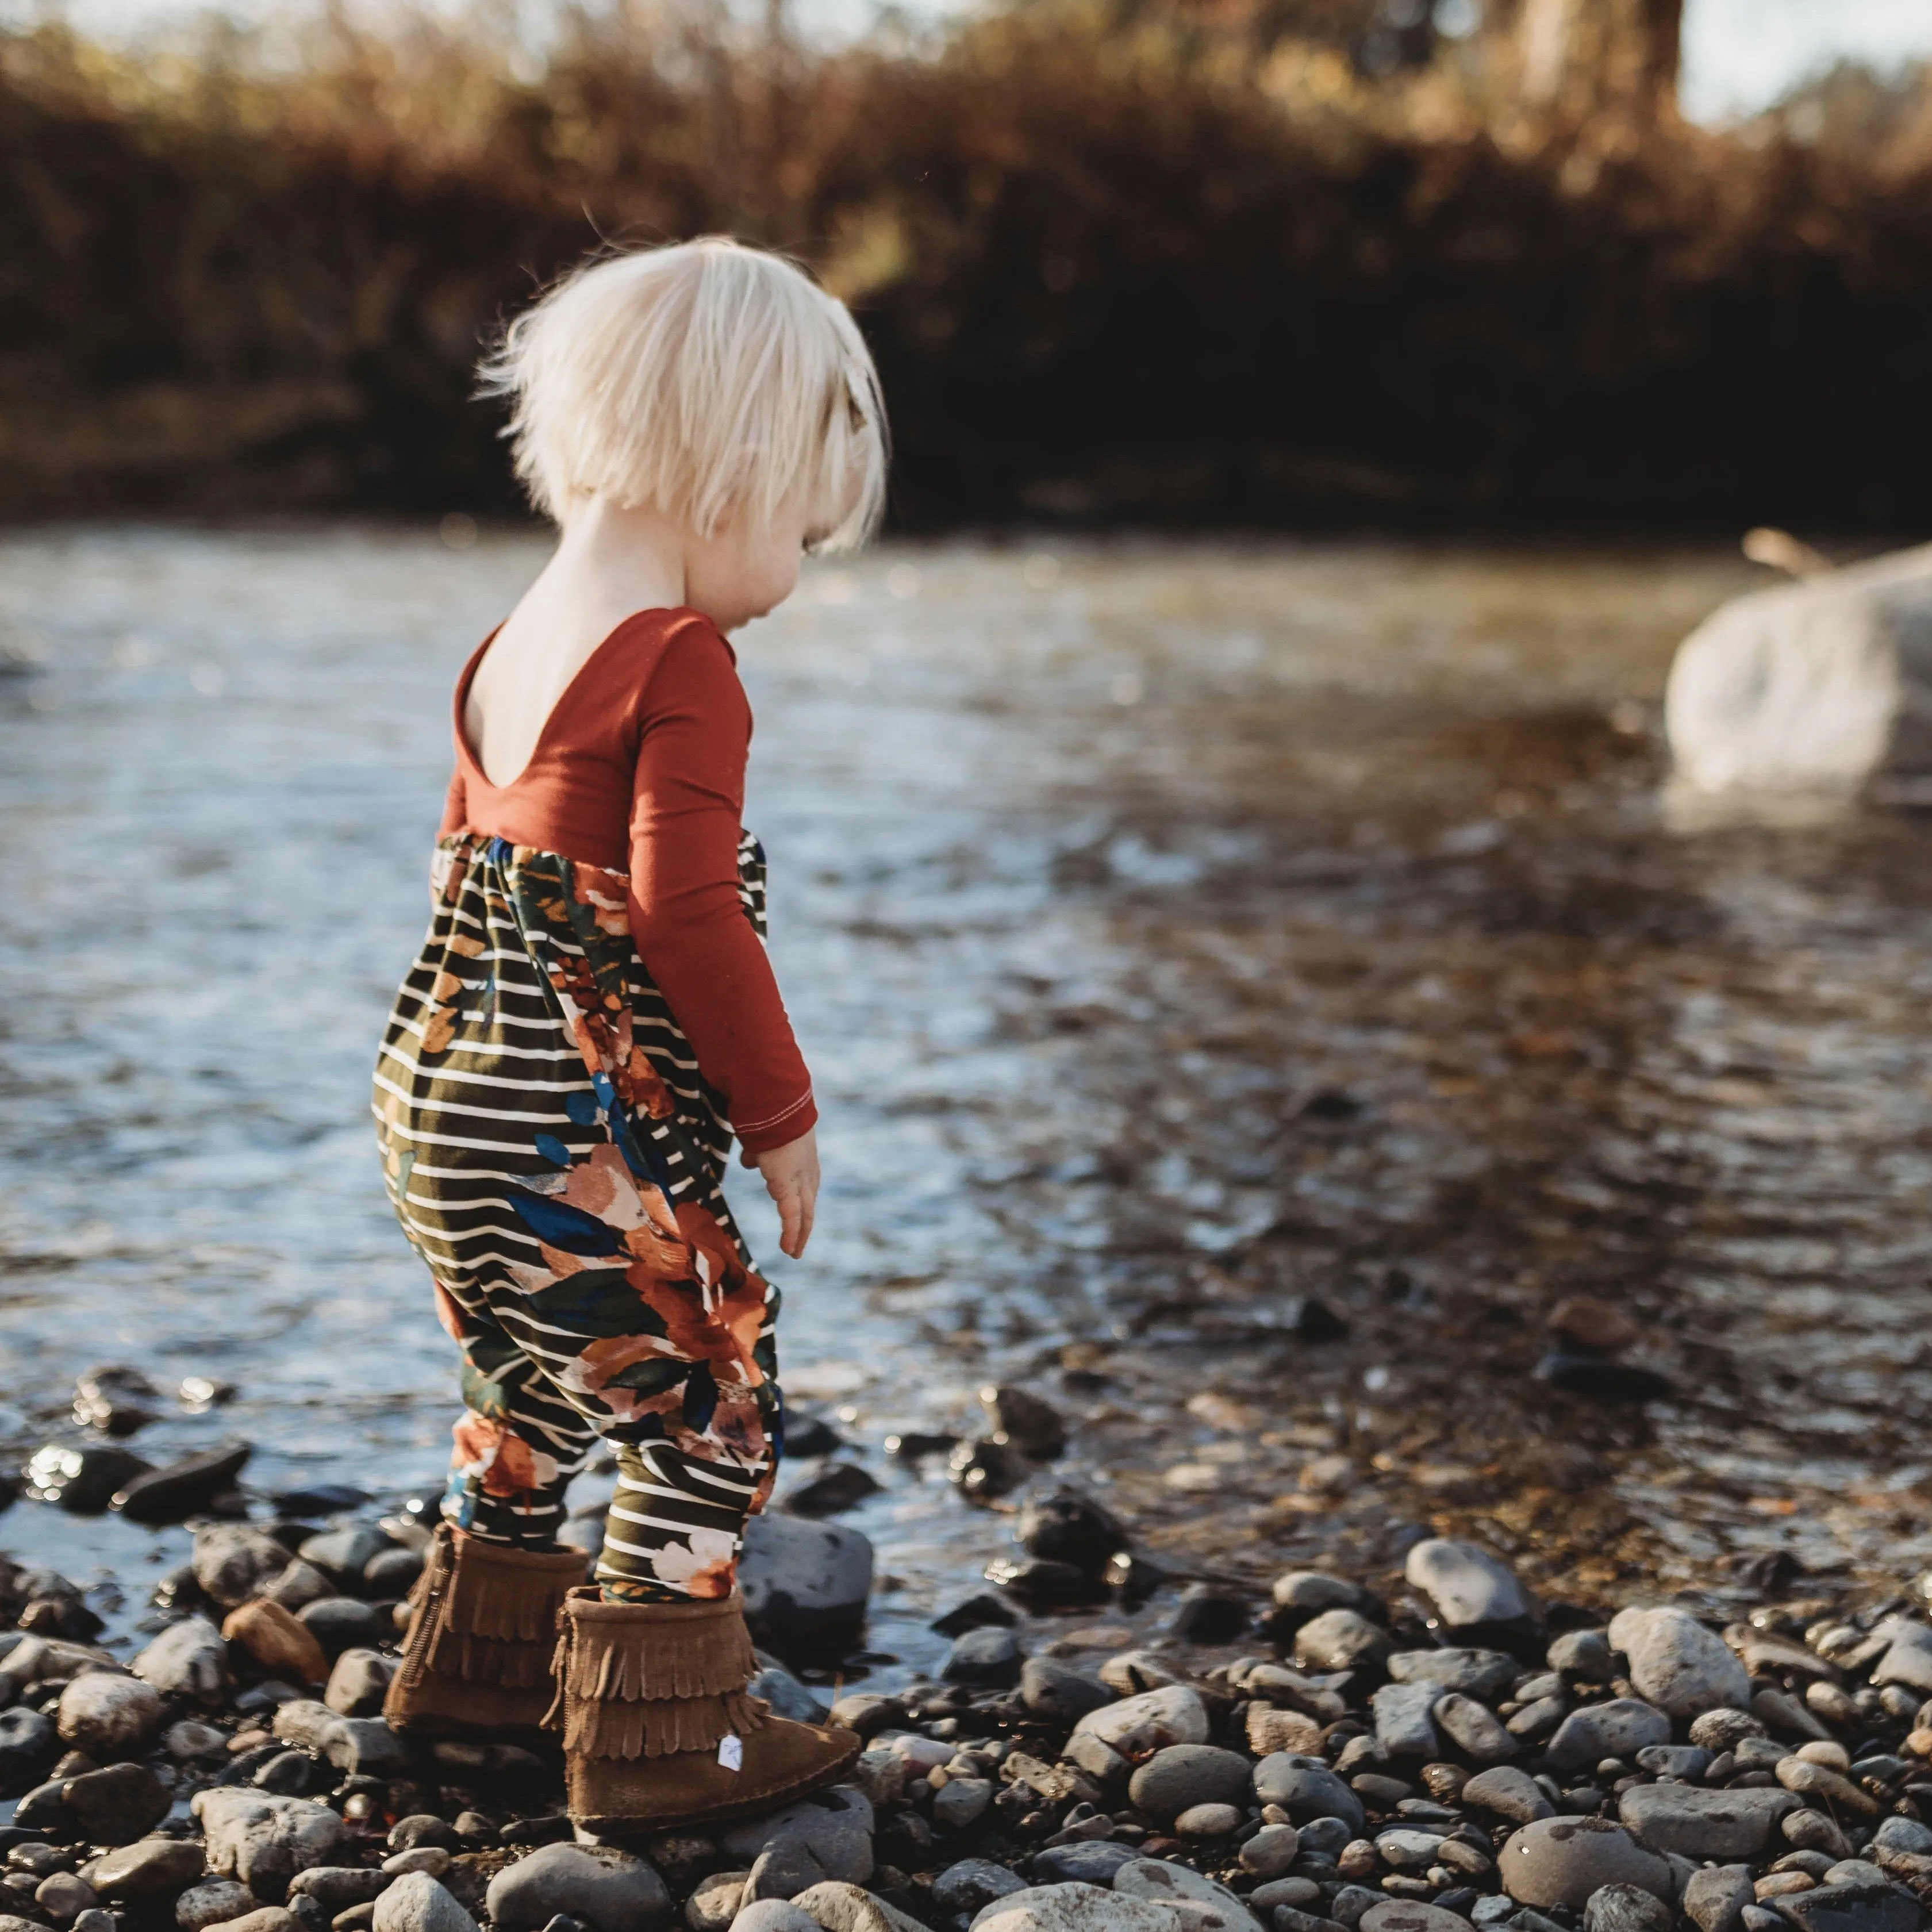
(1441,1752)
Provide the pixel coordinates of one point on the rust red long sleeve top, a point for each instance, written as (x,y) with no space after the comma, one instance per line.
(640,769)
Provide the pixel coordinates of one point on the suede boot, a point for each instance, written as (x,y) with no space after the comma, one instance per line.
(659,1733)
(477,1660)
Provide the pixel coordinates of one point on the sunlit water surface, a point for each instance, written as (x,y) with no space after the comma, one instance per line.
(1094,866)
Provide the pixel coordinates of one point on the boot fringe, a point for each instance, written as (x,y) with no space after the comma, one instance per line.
(662,1729)
(619,1662)
(505,1603)
(635,1685)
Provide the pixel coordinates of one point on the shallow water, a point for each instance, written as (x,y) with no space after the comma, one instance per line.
(1094,866)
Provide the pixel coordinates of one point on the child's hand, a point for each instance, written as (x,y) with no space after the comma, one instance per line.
(791,1179)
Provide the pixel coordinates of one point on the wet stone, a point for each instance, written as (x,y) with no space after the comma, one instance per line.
(392,1573)
(1052,1690)
(81,1480)
(178,1491)
(774,1915)
(787,1696)
(1205,1615)
(1340,1639)
(359,1681)
(1022,1420)
(343,1623)
(212,1902)
(1066,1527)
(804,1583)
(988,1658)
(300,1585)
(233,1562)
(982,1471)
(28,1744)
(187,1660)
(843,1485)
(342,1555)
(116,1805)
(109,1716)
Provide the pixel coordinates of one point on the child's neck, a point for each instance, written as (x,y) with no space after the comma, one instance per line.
(631,558)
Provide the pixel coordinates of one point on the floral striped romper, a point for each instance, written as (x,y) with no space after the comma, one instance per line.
(556,1115)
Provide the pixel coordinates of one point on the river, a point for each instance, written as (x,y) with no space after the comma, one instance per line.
(1182,935)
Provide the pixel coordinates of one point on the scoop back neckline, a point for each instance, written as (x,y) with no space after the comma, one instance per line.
(465,754)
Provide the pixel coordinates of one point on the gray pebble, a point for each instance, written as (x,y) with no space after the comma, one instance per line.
(1306,1789)
(988,1658)
(605,1888)
(1724,1730)
(1269,1853)
(962,1802)
(1467,1585)
(1627,1908)
(1340,1640)
(1562,1861)
(1620,1727)
(1584,1654)
(1714,1899)
(774,1915)
(1702,1824)
(1484,1675)
(1405,1720)
(416,1902)
(1677,1664)
(1510,1793)
(972,1884)
(1474,1730)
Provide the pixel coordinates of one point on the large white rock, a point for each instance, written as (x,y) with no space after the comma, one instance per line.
(1076,1908)
(1152,1721)
(1820,686)
(264,1840)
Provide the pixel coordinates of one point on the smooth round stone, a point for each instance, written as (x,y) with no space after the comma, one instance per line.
(1408,1850)
(343,1623)
(1562,1861)
(187,1660)
(774,1915)
(972,1884)
(1303,1895)
(608,1889)
(433,1859)
(148,1868)
(1626,1908)
(713,1906)
(1677,1664)
(117,1805)
(359,1683)
(962,1803)
(1714,1898)
(1584,1654)
(1074,1908)
(988,1658)
(64,1896)
(1208,1821)
(423,1827)
(1306,1790)
(1340,1640)
(1466,1584)
(215,1903)
(1158,1879)
(191,1738)
(234,1562)
(1182,1776)
(1410,1914)
(1619,1727)
(263,1919)
(1271,1851)
(1724,1730)
(1508,1793)
(783,1870)
(415,1903)
(390,1572)
(109,1716)
(1052,1690)
(1172,1714)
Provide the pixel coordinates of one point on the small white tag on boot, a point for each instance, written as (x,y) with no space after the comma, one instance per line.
(731,1753)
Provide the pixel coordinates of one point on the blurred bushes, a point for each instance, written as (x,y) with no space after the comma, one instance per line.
(1116,264)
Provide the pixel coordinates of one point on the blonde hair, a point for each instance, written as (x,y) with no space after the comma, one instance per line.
(705,379)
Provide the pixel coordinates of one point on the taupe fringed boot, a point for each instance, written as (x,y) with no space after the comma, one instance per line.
(659,1733)
(478,1654)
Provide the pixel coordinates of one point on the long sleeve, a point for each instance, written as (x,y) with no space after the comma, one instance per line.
(687,919)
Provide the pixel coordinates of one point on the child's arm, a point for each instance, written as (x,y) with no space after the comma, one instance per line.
(689,924)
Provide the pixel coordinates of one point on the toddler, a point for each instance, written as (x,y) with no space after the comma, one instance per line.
(593,1021)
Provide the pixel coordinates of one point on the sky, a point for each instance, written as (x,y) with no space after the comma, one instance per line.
(1739,56)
